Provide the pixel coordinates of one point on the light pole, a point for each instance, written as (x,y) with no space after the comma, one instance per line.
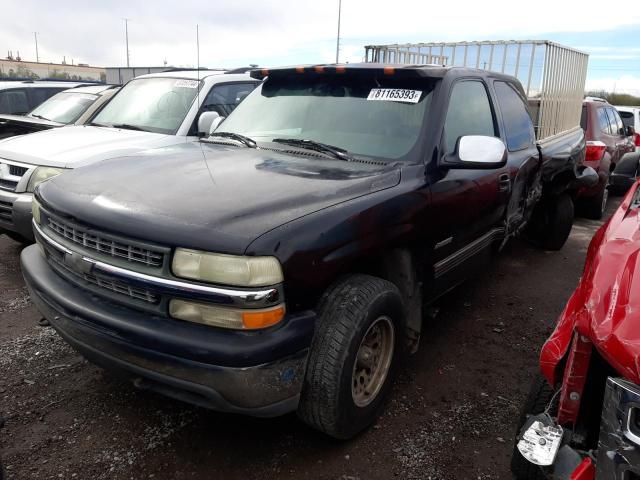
(126,37)
(338,37)
(35,36)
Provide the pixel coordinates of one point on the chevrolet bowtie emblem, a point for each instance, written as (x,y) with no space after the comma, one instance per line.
(75,262)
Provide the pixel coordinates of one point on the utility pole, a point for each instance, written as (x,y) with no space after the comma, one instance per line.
(35,36)
(338,37)
(126,37)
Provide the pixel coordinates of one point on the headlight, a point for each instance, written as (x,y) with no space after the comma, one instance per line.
(40,174)
(35,210)
(217,316)
(227,269)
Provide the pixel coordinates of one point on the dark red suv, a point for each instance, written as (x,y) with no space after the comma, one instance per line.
(607,142)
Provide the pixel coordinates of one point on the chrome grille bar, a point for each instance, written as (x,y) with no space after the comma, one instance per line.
(96,241)
(244,298)
(108,284)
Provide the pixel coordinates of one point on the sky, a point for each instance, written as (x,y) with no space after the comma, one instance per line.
(284,32)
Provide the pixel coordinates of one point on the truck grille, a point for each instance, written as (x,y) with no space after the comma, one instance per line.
(100,243)
(5,210)
(17,171)
(109,284)
(8,184)
(10,175)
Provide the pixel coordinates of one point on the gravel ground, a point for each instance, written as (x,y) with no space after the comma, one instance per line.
(452,413)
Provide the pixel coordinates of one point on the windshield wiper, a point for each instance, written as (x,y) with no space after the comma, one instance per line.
(249,142)
(128,126)
(40,117)
(337,152)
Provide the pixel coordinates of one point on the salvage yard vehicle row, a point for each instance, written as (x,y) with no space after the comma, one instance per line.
(282,263)
(150,111)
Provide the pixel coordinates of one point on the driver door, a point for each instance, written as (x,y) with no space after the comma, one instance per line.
(466,202)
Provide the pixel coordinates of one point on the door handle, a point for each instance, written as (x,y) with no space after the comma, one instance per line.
(504,182)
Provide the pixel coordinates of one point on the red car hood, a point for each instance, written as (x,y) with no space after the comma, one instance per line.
(606,305)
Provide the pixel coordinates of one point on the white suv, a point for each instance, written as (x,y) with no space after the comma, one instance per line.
(631,117)
(150,111)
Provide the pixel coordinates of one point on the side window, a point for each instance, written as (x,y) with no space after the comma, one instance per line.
(603,121)
(14,102)
(584,117)
(469,113)
(517,122)
(225,98)
(627,118)
(616,122)
(39,95)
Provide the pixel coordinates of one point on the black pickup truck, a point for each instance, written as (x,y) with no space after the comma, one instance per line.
(283,263)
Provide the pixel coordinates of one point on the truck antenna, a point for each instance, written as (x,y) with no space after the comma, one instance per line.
(338,36)
(198,64)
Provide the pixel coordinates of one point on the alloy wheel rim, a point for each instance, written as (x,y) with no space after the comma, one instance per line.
(373,361)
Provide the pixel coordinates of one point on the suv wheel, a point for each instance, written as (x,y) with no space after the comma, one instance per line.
(353,356)
(594,207)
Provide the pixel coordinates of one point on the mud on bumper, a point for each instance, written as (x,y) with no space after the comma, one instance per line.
(267,389)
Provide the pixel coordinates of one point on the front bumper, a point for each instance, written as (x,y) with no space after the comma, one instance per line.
(619,441)
(618,453)
(15,213)
(256,373)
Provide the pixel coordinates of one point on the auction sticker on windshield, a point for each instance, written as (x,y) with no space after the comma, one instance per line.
(395,95)
(186,83)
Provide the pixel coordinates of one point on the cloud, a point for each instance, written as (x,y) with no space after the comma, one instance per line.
(236,30)
(623,84)
(613,56)
(277,32)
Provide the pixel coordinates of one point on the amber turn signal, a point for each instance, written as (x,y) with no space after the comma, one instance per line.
(262,318)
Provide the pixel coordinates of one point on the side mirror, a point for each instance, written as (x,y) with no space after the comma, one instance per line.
(205,121)
(477,152)
(216,122)
(629,131)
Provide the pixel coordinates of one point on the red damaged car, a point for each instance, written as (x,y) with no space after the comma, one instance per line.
(581,419)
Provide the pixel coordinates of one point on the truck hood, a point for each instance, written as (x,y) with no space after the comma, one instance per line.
(74,146)
(209,197)
(605,306)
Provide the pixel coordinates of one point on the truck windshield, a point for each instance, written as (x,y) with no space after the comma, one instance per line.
(378,118)
(150,104)
(65,107)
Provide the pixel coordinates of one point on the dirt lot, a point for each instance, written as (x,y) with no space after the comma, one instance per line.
(451,416)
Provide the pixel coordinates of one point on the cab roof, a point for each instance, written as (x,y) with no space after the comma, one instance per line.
(40,84)
(375,69)
(190,74)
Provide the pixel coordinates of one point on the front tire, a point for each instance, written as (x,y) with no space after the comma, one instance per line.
(540,395)
(353,357)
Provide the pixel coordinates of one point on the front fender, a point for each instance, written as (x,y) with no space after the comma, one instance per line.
(603,307)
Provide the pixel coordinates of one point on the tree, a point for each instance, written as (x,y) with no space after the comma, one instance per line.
(616,98)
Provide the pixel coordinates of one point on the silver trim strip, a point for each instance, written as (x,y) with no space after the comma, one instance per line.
(241,298)
(443,243)
(459,256)
(50,240)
